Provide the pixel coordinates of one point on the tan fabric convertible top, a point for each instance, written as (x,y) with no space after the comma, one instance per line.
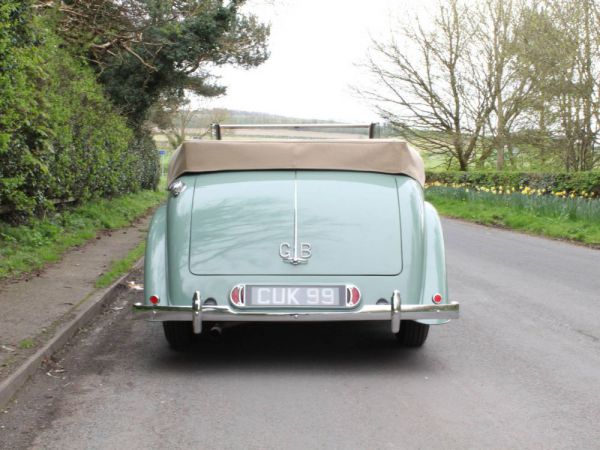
(364,155)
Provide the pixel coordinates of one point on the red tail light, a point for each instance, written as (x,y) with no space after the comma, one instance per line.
(437,298)
(352,295)
(154,299)
(237,295)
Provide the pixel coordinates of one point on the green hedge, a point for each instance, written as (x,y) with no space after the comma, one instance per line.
(572,182)
(60,138)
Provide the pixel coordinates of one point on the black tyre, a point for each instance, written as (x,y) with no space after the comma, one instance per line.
(412,334)
(178,334)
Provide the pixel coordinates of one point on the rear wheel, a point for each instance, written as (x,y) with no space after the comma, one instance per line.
(412,334)
(178,334)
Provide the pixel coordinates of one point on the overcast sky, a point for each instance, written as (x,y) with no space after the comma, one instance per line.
(315,46)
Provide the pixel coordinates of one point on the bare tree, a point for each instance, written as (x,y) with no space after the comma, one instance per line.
(178,128)
(496,78)
(180,121)
(559,50)
(578,104)
(496,24)
(435,85)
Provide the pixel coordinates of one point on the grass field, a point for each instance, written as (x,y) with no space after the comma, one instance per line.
(27,248)
(576,219)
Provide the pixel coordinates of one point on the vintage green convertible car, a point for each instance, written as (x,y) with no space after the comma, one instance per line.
(295,230)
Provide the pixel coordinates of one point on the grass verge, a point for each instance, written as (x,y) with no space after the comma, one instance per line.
(120,267)
(27,248)
(572,219)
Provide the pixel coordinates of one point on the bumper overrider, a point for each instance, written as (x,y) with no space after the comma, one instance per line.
(197,313)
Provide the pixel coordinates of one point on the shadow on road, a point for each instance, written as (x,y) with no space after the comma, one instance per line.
(353,347)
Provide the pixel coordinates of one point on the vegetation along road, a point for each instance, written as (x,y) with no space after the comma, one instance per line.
(518,370)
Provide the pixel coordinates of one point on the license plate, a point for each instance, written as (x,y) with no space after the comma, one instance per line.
(295,296)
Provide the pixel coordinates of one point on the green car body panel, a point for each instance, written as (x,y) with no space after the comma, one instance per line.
(371,230)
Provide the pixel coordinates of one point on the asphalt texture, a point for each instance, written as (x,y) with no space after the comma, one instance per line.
(520,369)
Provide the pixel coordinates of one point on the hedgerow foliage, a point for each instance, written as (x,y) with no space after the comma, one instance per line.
(576,182)
(78,80)
(60,138)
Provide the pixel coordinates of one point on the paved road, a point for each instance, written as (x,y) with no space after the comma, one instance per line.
(520,369)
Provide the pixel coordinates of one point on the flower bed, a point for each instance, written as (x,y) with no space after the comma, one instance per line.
(576,184)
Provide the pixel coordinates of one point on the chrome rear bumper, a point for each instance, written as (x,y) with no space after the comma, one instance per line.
(199,313)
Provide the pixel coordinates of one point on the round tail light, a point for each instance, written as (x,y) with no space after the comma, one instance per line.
(437,298)
(154,299)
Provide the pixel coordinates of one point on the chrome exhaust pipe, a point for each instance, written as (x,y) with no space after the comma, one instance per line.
(216,331)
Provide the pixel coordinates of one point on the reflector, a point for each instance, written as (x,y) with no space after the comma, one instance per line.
(235,295)
(354,295)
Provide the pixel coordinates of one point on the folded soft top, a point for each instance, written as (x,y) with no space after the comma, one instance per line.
(363,155)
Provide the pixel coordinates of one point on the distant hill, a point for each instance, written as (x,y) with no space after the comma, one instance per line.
(195,125)
(204,116)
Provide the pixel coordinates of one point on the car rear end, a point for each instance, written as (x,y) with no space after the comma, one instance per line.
(295,245)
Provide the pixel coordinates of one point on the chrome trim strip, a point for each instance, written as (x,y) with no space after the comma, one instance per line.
(226,314)
(295,218)
(295,259)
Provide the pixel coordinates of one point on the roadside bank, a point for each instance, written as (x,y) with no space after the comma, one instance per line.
(26,249)
(36,308)
(573,220)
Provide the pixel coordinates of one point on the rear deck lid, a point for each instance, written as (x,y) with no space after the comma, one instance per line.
(242,222)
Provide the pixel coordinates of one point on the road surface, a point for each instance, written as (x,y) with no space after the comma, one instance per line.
(520,369)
